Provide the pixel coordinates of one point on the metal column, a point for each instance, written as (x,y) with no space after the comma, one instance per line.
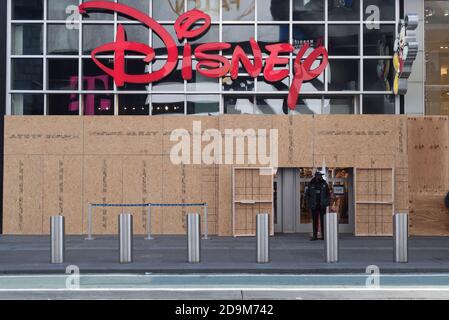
(125,222)
(57,235)
(400,237)
(331,237)
(149,237)
(89,222)
(193,238)
(263,238)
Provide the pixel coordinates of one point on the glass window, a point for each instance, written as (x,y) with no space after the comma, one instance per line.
(134,104)
(98,104)
(271,105)
(239,104)
(135,66)
(63,104)
(202,83)
(385,8)
(27,104)
(308,10)
(437,101)
(238,35)
(273,10)
(173,82)
(344,40)
(338,105)
(96,35)
(211,7)
(379,104)
(212,35)
(241,10)
(167,10)
(379,42)
(311,34)
(26,74)
(27,10)
(269,34)
(265,86)
(27,39)
(159,46)
(316,84)
(308,105)
(98,15)
(343,75)
(137,33)
(378,75)
(168,105)
(203,104)
(63,74)
(143,6)
(344,10)
(94,78)
(242,83)
(62,40)
(57,9)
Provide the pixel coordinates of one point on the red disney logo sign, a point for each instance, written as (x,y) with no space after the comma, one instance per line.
(209,64)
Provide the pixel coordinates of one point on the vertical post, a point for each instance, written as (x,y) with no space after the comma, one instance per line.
(206,223)
(193,238)
(263,238)
(89,222)
(400,238)
(331,237)
(126,238)
(149,237)
(57,235)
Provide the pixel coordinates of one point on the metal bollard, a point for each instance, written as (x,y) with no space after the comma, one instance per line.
(126,238)
(400,237)
(193,238)
(57,235)
(331,237)
(263,237)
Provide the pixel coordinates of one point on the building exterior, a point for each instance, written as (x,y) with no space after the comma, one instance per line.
(75,135)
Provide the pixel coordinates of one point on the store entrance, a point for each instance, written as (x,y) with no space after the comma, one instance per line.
(292,213)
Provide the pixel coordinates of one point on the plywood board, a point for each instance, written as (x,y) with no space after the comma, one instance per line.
(428,215)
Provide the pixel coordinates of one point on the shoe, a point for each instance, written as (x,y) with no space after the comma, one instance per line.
(313,239)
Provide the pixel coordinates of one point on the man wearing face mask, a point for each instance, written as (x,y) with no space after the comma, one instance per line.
(318,199)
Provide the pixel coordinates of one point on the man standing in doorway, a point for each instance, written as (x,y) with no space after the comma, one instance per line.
(317,196)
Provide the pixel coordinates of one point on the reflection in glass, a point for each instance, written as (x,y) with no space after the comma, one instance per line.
(203,104)
(270,34)
(344,40)
(378,42)
(26,74)
(142,6)
(238,10)
(343,75)
(173,82)
(211,7)
(316,84)
(137,33)
(167,105)
(242,83)
(212,35)
(263,85)
(96,35)
(63,104)
(159,46)
(379,104)
(238,35)
(202,83)
(136,67)
(308,10)
(240,104)
(308,105)
(310,34)
(273,10)
(26,39)
(437,101)
(271,105)
(27,104)
(62,40)
(98,15)
(94,78)
(27,10)
(134,104)
(378,75)
(63,74)
(338,105)
(57,9)
(344,10)
(387,9)
(167,10)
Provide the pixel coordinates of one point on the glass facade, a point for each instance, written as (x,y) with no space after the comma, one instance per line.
(52,73)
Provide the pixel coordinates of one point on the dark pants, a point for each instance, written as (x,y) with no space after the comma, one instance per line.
(318,215)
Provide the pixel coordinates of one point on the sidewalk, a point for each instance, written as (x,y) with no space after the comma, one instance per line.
(290,254)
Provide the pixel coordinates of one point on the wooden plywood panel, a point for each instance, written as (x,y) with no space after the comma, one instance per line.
(123,135)
(43,135)
(63,180)
(103,183)
(225,200)
(22,193)
(428,215)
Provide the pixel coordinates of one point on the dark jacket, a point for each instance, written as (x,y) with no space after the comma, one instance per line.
(311,193)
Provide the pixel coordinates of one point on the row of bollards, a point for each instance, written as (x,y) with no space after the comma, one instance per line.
(400,237)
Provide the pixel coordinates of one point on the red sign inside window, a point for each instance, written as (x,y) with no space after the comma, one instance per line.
(194,24)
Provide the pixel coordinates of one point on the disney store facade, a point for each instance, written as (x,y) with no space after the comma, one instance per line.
(92,95)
